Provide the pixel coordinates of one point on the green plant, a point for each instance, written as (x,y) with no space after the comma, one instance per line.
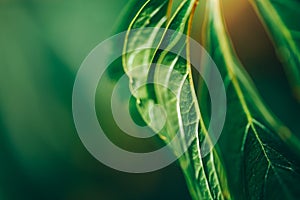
(257,156)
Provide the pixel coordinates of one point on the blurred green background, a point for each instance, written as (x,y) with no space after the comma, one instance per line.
(42,44)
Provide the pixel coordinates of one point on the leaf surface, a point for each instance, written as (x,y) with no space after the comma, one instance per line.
(258,156)
(205,176)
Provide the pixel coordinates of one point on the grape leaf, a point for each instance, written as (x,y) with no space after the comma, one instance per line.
(259,159)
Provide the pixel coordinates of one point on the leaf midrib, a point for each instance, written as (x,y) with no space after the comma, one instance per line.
(202,124)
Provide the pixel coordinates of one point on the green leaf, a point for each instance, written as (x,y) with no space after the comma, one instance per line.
(281,18)
(137,63)
(259,158)
(205,177)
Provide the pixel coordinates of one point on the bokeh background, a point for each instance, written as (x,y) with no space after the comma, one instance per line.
(42,44)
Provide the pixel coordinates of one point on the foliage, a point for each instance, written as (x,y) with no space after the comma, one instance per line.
(256,154)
